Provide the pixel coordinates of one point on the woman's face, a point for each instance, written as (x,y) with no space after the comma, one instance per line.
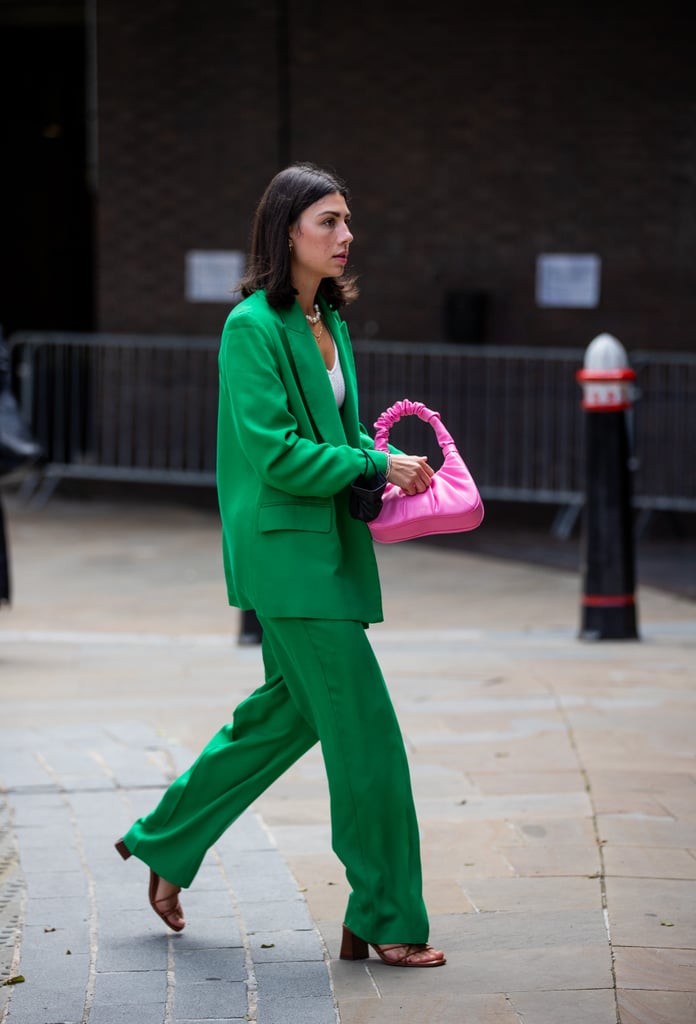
(320,239)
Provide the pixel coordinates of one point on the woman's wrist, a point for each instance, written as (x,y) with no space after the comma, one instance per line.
(388,470)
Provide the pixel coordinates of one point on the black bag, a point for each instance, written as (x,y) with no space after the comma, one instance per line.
(366,492)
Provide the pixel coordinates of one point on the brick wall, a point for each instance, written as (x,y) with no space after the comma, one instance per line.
(187,139)
(473,138)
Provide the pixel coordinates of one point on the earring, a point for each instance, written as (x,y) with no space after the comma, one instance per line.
(290,246)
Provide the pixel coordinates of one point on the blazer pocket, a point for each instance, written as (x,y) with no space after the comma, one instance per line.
(296,516)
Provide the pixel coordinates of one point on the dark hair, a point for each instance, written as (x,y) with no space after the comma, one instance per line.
(287,195)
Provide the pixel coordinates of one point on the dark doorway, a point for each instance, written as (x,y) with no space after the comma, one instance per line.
(46,248)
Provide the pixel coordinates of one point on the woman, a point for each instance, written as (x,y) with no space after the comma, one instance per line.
(289,446)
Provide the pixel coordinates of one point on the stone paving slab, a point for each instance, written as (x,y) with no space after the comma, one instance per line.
(656,1007)
(555,782)
(81,933)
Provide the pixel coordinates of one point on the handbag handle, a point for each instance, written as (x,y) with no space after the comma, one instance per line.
(405,407)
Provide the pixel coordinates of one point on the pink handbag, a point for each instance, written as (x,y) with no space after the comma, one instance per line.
(452,503)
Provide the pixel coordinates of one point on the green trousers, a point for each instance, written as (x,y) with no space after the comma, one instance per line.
(322,682)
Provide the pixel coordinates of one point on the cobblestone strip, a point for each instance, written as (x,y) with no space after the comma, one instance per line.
(12,898)
(92,951)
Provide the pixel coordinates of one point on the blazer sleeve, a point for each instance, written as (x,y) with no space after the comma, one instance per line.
(253,386)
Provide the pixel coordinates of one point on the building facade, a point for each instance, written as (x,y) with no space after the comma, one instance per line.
(480,143)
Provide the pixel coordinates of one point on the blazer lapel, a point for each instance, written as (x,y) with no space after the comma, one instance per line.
(349,410)
(311,370)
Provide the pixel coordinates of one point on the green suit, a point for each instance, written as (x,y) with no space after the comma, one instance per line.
(293,553)
(286,458)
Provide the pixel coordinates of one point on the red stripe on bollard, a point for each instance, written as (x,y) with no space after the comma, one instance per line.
(606,390)
(608,600)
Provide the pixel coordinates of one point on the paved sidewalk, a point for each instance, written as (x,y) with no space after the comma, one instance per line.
(555,783)
(91,948)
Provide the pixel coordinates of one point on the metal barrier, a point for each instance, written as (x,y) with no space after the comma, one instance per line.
(118,407)
(665,430)
(514,412)
(144,408)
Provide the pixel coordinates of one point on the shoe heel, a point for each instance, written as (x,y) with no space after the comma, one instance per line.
(353,948)
(122,849)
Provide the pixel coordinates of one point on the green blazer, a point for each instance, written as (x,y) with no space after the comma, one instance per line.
(286,456)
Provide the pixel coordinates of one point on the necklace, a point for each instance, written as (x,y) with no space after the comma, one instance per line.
(317,315)
(317,337)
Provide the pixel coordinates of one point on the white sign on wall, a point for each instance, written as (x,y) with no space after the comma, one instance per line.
(212,275)
(568,280)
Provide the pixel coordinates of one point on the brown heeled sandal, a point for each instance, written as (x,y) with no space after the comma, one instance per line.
(402,955)
(170,904)
(167,911)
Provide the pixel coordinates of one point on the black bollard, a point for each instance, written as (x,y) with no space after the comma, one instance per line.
(608,603)
(250,629)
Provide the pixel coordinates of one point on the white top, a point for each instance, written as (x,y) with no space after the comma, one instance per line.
(336,377)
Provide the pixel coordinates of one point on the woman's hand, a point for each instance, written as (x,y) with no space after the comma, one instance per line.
(411,473)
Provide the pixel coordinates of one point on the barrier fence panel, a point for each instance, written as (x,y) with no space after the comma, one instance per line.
(144,408)
(514,412)
(665,430)
(120,407)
